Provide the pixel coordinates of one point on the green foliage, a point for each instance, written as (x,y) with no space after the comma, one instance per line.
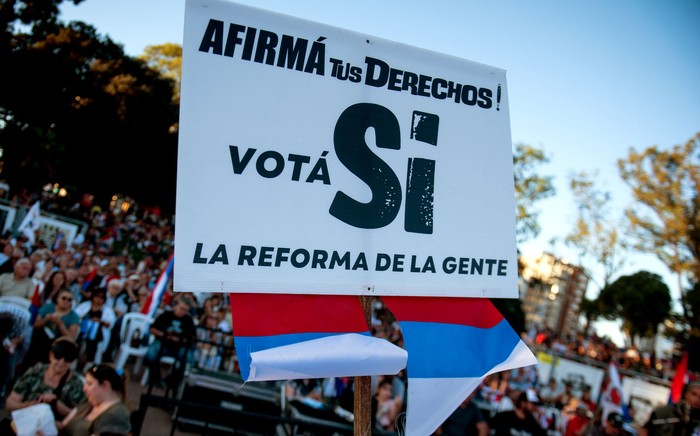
(666,218)
(591,310)
(76,110)
(167,60)
(530,187)
(642,300)
(595,235)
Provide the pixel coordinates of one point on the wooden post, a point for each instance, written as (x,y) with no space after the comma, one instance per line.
(363,387)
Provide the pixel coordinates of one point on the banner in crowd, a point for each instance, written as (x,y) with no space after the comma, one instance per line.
(317,160)
(580,376)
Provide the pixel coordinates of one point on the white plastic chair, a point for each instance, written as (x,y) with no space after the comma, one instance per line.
(133,321)
(17,301)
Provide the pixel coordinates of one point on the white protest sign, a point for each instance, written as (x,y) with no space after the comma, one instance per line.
(314,159)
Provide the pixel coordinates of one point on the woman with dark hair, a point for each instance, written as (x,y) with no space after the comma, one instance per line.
(53,383)
(56,282)
(105,411)
(54,319)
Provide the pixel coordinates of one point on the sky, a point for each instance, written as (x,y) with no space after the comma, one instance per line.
(587,80)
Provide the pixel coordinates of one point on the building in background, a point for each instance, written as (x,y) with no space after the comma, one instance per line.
(551,292)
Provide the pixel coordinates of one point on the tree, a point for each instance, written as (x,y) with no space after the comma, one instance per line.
(167,60)
(74,109)
(666,218)
(595,236)
(591,311)
(529,188)
(642,300)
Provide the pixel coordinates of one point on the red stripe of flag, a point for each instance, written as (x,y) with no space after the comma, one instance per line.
(472,312)
(279,314)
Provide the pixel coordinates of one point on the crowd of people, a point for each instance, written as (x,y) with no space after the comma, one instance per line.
(61,331)
(61,353)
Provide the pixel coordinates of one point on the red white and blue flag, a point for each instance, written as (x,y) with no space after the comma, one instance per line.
(288,336)
(156,294)
(452,344)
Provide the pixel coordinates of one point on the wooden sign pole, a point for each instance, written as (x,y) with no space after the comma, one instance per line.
(362,399)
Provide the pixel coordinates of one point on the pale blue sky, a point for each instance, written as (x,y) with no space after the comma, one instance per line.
(587,80)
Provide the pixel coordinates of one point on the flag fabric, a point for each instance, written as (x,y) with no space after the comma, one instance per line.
(679,379)
(290,336)
(452,344)
(88,279)
(30,223)
(611,400)
(37,302)
(156,295)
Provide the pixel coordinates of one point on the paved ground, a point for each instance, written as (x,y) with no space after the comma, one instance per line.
(157,420)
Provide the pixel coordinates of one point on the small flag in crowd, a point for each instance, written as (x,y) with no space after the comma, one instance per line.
(156,294)
(612,400)
(30,223)
(289,336)
(679,379)
(452,344)
(37,302)
(88,279)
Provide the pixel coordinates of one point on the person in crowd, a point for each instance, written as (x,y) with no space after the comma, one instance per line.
(586,399)
(55,318)
(212,304)
(18,283)
(552,393)
(131,286)
(53,383)
(141,299)
(581,420)
(520,420)
(174,333)
(13,326)
(72,282)
(6,264)
(681,419)
(117,298)
(55,283)
(466,420)
(105,412)
(611,426)
(96,322)
(507,401)
(388,407)
(308,400)
(88,278)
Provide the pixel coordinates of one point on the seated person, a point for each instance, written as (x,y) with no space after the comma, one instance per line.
(105,412)
(97,320)
(174,333)
(53,383)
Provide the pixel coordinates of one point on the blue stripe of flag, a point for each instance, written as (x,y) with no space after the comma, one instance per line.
(438,350)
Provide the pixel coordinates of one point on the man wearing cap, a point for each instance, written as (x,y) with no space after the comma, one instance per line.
(521,420)
(682,419)
(611,427)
